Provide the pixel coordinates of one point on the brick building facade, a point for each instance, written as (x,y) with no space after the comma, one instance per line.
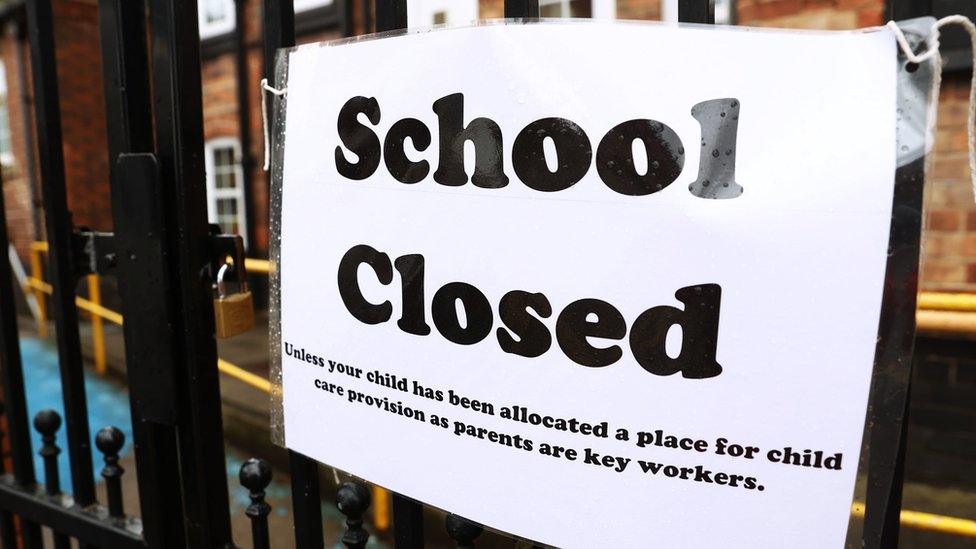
(950,242)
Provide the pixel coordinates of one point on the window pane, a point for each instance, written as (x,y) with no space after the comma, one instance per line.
(215,11)
(551,10)
(224,168)
(224,185)
(226,207)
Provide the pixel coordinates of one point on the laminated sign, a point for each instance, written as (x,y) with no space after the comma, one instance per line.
(591,284)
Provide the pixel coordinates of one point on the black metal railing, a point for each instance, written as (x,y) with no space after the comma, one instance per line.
(160,253)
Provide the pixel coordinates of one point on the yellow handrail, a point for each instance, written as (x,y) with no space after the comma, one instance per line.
(927,521)
(941,301)
(241,374)
(255,265)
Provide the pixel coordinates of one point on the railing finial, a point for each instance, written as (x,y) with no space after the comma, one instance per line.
(352,500)
(256,476)
(109,442)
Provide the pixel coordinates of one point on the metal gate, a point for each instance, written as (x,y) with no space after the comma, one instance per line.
(164,255)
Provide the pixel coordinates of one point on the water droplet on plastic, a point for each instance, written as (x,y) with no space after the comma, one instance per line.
(715,153)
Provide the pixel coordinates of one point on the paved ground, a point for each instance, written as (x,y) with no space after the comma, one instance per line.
(246,427)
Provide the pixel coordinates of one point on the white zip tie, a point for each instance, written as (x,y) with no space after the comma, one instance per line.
(266,89)
(937,80)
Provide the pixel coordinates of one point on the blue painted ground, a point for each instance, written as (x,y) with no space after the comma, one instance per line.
(107,405)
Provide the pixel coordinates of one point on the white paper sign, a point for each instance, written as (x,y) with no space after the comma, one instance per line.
(561,338)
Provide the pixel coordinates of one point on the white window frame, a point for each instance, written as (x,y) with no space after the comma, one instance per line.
(602,9)
(420,13)
(305,5)
(237,193)
(208,30)
(6,157)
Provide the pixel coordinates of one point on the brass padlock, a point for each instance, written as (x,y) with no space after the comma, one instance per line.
(233,313)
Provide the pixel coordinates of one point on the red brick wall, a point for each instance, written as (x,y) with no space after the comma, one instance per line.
(639,9)
(82,124)
(949,241)
(810,14)
(83,112)
(490,9)
(17,192)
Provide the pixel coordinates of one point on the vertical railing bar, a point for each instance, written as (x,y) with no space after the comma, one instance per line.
(521,8)
(243,85)
(367,16)
(306,501)
(408,515)
(391,15)
(148,338)
(346,22)
(8,531)
(279,32)
(59,234)
(696,11)
(12,378)
(887,414)
(178,107)
(899,10)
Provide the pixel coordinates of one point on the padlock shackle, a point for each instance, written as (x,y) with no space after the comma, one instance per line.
(222,273)
(221,284)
